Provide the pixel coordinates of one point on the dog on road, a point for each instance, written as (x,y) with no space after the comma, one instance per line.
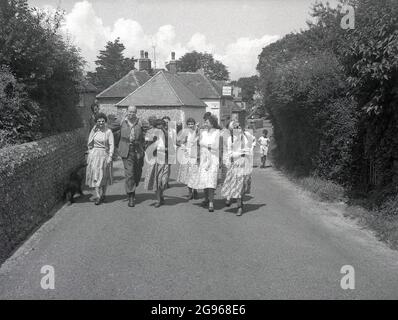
(74,184)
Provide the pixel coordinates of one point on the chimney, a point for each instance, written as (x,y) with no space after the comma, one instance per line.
(144,63)
(172,64)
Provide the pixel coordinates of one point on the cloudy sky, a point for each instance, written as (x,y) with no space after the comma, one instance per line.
(234,31)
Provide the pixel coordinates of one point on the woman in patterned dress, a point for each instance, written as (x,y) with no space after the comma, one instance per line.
(238,180)
(226,162)
(99,159)
(187,156)
(207,176)
(156,155)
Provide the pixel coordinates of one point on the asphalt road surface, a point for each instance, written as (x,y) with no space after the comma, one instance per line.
(285,246)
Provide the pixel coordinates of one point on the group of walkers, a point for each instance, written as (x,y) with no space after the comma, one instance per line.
(207,157)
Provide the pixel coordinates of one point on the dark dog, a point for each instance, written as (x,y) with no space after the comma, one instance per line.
(74,185)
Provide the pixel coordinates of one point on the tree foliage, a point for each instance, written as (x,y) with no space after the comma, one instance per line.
(47,67)
(249,86)
(19,120)
(111,65)
(332,96)
(193,61)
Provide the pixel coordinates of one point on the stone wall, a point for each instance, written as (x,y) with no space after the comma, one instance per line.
(32,180)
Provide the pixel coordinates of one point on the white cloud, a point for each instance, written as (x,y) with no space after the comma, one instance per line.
(89,33)
(241,57)
(199,43)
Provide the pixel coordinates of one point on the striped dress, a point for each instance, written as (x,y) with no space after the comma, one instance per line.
(187,159)
(238,179)
(157,174)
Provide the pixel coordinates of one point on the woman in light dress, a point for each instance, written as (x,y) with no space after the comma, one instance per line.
(207,176)
(187,157)
(238,179)
(99,159)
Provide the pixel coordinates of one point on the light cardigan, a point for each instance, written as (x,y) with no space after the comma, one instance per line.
(109,142)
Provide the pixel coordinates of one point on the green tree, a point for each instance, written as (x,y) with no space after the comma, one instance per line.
(193,61)
(49,68)
(19,119)
(249,86)
(111,65)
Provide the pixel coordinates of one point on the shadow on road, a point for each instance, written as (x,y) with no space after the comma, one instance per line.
(247,208)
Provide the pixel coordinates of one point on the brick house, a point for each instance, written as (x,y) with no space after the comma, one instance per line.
(87,94)
(164,94)
(215,94)
(108,98)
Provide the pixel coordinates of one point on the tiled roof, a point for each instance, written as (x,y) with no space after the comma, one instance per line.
(200,85)
(125,85)
(163,89)
(218,84)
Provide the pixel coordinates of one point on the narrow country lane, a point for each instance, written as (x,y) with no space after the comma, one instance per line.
(286,246)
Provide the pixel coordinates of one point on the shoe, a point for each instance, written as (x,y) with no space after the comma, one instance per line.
(211,208)
(131,201)
(98,201)
(228,203)
(239,213)
(157,204)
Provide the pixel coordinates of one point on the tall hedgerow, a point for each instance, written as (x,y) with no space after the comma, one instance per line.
(48,68)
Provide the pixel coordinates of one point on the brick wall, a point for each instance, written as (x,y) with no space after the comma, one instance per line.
(32,180)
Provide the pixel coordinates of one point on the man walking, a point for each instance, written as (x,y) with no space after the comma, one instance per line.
(131,149)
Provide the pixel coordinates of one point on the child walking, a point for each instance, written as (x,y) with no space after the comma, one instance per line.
(264,142)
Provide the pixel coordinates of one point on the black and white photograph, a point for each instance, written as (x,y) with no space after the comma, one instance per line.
(221,151)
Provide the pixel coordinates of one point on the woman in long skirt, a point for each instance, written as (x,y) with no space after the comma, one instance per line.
(226,161)
(187,157)
(238,180)
(157,174)
(207,176)
(99,159)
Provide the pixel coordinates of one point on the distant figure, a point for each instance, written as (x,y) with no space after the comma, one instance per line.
(94,112)
(114,125)
(264,142)
(99,159)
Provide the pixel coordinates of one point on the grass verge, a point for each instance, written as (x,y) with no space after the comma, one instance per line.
(382,220)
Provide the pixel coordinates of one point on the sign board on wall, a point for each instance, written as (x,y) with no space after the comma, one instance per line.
(227,91)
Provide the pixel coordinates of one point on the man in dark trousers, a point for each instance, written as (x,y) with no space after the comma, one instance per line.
(131,149)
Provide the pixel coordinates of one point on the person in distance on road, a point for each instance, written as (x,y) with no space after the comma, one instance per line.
(264,145)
